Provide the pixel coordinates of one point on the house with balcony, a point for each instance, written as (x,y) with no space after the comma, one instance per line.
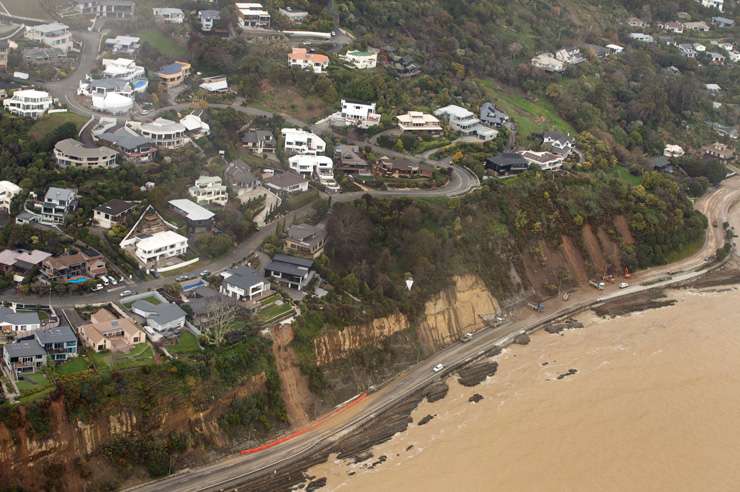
(72,153)
(152,240)
(28,103)
(169,15)
(54,35)
(545,161)
(418,122)
(25,356)
(20,263)
(347,159)
(209,190)
(399,167)
(133,146)
(465,122)
(718,150)
(361,115)
(293,272)
(164,133)
(8,191)
(123,44)
(124,69)
(208,19)
(59,343)
(286,183)
(362,59)
(306,240)
(13,321)
(85,262)
(258,141)
(244,284)
(310,165)
(492,116)
(108,332)
(57,203)
(109,95)
(174,74)
(299,141)
(113,212)
(294,15)
(116,9)
(252,15)
(195,126)
(301,58)
(558,142)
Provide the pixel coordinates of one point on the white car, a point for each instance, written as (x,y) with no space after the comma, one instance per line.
(97,287)
(126,293)
(623,285)
(438,368)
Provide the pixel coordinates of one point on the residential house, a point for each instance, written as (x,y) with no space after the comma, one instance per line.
(716,58)
(28,103)
(306,240)
(214,84)
(597,51)
(43,56)
(123,44)
(252,15)
(208,19)
(24,357)
(21,263)
(59,343)
(615,48)
(4,52)
(570,56)
(287,183)
(465,122)
(416,121)
(546,161)
(672,26)
(119,9)
(400,168)
(713,4)
(132,145)
(672,150)
(299,141)
(163,318)
(86,262)
(723,130)
(165,133)
(404,66)
(696,26)
(13,321)
(661,164)
(642,37)
(362,59)
(244,284)
(195,126)
(169,15)
(209,190)
(548,62)
(348,160)
(723,22)
(54,35)
(110,95)
(108,332)
(112,213)
(239,176)
(560,143)
(318,166)
(492,116)
(258,141)
(153,240)
(174,74)
(719,151)
(58,202)
(636,22)
(507,163)
(125,69)
(72,153)
(292,271)
(687,50)
(700,48)
(361,115)
(293,15)
(8,191)
(301,58)
(197,217)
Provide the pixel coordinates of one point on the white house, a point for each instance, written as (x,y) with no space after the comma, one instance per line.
(548,62)
(293,15)
(54,35)
(58,202)
(112,95)
(161,245)
(8,191)
(215,84)
(123,44)
(15,322)
(208,19)
(672,150)
(465,122)
(362,60)
(642,37)
(416,121)
(562,144)
(169,14)
(713,4)
(72,153)
(243,283)
(251,15)
(209,190)
(28,103)
(195,125)
(123,68)
(546,161)
(308,165)
(299,141)
(615,48)
(300,57)
(358,114)
(165,133)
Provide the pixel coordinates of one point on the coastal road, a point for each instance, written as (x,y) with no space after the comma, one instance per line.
(236,471)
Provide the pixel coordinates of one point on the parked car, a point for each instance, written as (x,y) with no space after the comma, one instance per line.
(98,287)
(438,368)
(127,293)
(113,280)
(205,273)
(623,285)
(466,338)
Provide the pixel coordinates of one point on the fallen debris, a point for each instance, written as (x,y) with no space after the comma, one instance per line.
(522,339)
(475,398)
(570,372)
(425,420)
(473,374)
(562,325)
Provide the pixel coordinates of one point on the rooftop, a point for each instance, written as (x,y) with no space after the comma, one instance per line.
(243,277)
(159,240)
(60,334)
(57,194)
(192,210)
(285,180)
(11,317)
(115,207)
(163,313)
(74,147)
(126,138)
(25,348)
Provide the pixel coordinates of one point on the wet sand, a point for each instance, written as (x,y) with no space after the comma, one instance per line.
(654,404)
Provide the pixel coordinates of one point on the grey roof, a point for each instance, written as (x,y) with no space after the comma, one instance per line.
(54,193)
(162,313)
(285,180)
(489,111)
(9,316)
(506,159)
(290,265)
(25,348)
(39,53)
(209,14)
(126,138)
(558,136)
(244,277)
(76,148)
(301,232)
(255,136)
(110,84)
(60,334)
(659,162)
(115,207)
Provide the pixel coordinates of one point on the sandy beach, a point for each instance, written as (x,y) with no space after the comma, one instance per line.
(647,401)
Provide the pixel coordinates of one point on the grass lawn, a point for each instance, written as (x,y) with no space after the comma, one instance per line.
(141,355)
(186,343)
(623,173)
(163,43)
(73,366)
(269,300)
(301,199)
(50,122)
(274,311)
(286,99)
(33,383)
(529,116)
(151,299)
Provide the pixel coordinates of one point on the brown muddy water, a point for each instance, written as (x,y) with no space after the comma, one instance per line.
(649,401)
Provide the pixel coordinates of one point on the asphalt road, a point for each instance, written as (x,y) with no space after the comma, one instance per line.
(237,470)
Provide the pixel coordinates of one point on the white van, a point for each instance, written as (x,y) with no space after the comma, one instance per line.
(105,280)
(113,280)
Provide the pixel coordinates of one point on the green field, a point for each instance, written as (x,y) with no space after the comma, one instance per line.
(165,44)
(530,116)
(141,355)
(50,122)
(274,311)
(187,343)
(623,173)
(73,366)
(28,8)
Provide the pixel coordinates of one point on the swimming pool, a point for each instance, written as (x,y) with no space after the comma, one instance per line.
(77,280)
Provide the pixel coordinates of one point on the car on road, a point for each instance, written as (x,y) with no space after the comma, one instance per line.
(466,338)
(623,285)
(182,278)
(127,293)
(97,287)
(438,367)
(205,273)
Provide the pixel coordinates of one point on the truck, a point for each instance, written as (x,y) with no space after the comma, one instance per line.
(538,306)
(597,284)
